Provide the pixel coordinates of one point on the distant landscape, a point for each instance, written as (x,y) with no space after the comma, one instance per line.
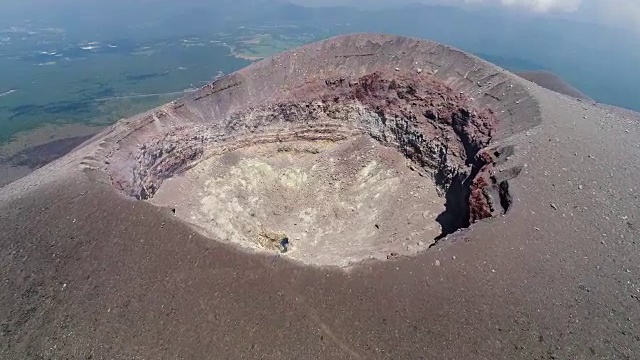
(76,72)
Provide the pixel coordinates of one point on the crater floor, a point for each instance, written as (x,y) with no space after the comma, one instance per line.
(335,203)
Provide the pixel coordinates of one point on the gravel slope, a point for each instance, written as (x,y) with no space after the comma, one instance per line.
(550,81)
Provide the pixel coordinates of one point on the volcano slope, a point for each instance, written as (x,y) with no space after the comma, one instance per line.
(364,197)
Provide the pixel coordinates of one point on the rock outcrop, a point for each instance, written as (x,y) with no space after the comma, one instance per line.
(437,129)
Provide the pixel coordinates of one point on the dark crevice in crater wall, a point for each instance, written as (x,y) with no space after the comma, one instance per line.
(478,195)
(437,129)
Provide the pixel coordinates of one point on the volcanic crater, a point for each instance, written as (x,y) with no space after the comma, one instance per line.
(336,168)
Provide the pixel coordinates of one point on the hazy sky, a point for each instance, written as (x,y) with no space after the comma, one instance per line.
(620,13)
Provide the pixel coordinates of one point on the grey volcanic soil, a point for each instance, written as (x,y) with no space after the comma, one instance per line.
(90,272)
(554,83)
(19,163)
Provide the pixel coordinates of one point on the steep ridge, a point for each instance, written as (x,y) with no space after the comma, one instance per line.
(552,82)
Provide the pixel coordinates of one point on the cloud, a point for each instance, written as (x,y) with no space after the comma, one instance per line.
(619,13)
(534,5)
(623,13)
(605,10)
(544,5)
(539,6)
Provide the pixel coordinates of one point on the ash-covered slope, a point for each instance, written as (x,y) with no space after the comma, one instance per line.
(552,82)
(90,271)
